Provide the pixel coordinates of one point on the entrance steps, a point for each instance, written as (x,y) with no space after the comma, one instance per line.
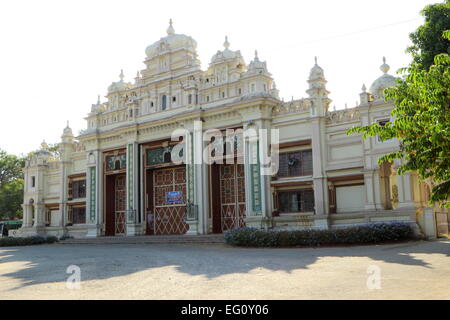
(164,239)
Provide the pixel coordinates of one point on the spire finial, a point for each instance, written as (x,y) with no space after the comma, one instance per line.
(315,60)
(256,55)
(226,44)
(346,106)
(384,67)
(364,88)
(121,76)
(67,126)
(170,29)
(98,101)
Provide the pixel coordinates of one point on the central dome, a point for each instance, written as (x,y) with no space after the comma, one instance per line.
(171,42)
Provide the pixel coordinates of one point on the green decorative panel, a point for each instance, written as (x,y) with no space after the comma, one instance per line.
(156,156)
(93,189)
(117,162)
(130,184)
(190,173)
(255,172)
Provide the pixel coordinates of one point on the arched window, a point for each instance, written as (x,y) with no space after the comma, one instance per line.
(164,102)
(190,99)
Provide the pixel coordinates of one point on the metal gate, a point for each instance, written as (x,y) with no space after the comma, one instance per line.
(169,216)
(119,205)
(232,196)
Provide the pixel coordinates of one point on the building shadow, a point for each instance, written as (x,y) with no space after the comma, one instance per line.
(49,263)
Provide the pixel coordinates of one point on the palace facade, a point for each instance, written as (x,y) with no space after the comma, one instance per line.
(126,175)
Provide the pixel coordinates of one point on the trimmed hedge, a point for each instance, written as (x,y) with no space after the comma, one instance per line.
(370,233)
(26,241)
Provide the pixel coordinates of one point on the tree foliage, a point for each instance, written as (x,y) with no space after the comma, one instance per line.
(11,185)
(427,39)
(422,106)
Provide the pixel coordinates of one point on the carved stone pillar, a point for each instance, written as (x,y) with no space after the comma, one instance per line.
(27,218)
(39,215)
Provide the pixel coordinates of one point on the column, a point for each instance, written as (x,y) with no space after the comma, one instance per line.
(373,190)
(92,195)
(39,215)
(27,219)
(320,194)
(405,197)
(132,189)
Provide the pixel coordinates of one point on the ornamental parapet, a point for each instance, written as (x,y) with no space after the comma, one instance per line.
(294,106)
(346,115)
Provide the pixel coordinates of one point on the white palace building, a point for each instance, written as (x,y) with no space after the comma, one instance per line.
(123,175)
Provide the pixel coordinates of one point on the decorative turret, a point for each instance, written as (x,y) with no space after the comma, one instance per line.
(67,144)
(274,91)
(257,66)
(317,91)
(67,136)
(364,96)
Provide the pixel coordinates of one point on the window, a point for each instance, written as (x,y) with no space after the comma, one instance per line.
(383,122)
(223,94)
(33,181)
(207,98)
(296,201)
(151,104)
(296,163)
(79,215)
(79,189)
(190,99)
(48,215)
(174,99)
(164,102)
(239,91)
(253,87)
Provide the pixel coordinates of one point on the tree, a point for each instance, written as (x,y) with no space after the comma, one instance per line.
(10,167)
(422,107)
(427,39)
(11,198)
(11,185)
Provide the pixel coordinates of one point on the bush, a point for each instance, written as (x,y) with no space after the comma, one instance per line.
(26,241)
(370,233)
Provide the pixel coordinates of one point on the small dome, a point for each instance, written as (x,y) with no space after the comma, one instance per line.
(67,130)
(256,65)
(119,85)
(171,42)
(316,71)
(383,82)
(226,54)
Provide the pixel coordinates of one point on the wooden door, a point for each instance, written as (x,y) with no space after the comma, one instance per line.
(232,196)
(169,215)
(119,205)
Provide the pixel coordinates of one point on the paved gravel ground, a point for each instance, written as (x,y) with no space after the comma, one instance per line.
(414,270)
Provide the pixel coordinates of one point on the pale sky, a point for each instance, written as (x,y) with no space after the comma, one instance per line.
(57,56)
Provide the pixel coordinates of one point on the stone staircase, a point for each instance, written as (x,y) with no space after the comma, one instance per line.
(166,239)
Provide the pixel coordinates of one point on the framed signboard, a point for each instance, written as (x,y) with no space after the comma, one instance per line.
(174,197)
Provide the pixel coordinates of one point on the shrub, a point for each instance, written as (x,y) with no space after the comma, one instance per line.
(26,241)
(370,233)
